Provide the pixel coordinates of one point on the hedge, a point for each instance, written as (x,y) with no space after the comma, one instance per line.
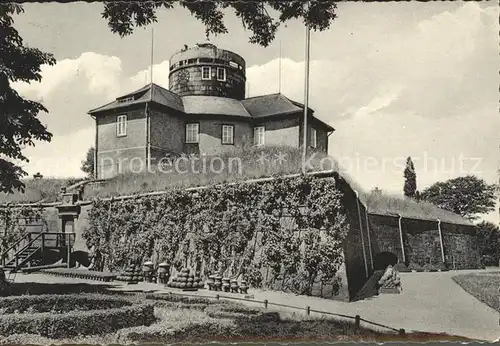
(75,323)
(60,303)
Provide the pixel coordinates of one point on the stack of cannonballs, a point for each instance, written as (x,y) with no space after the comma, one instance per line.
(132,275)
(186,280)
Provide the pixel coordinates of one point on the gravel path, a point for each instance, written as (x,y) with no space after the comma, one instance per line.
(429,302)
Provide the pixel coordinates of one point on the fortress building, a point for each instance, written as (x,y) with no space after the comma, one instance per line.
(203,112)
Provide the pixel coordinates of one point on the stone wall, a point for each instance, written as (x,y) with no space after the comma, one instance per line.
(422,241)
(357,255)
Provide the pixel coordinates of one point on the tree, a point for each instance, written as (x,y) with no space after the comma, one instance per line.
(124,16)
(467,196)
(88,163)
(19,125)
(489,242)
(410,186)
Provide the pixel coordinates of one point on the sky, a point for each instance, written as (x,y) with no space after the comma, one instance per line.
(394,79)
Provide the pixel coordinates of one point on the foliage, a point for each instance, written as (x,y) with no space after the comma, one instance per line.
(123,17)
(36,190)
(466,196)
(60,303)
(489,242)
(410,175)
(482,286)
(88,163)
(19,125)
(74,323)
(238,165)
(13,223)
(222,227)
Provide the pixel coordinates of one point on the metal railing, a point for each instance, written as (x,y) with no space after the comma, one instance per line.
(43,240)
(307,309)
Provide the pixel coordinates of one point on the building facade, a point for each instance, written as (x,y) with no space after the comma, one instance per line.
(203,112)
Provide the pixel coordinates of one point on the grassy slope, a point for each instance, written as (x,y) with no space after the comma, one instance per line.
(239,166)
(46,189)
(485,287)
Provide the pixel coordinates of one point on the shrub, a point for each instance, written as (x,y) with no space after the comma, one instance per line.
(402,267)
(60,303)
(415,266)
(233,311)
(74,323)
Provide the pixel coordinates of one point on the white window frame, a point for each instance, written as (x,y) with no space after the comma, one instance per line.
(259,137)
(206,68)
(192,129)
(314,138)
(121,125)
(228,134)
(221,69)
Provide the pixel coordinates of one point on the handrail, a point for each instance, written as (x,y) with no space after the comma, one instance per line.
(15,244)
(38,235)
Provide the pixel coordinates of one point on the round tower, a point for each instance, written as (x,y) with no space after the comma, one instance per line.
(207,70)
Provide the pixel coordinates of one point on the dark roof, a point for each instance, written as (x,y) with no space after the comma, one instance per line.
(214,105)
(254,107)
(269,105)
(159,94)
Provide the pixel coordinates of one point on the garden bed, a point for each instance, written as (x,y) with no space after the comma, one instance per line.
(63,316)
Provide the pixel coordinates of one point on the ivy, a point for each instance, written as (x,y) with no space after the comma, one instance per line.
(14,221)
(292,228)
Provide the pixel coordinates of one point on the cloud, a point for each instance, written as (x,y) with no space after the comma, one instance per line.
(425,89)
(430,92)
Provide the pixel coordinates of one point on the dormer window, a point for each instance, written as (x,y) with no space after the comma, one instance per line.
(127,99)
(221,74)
(206,73)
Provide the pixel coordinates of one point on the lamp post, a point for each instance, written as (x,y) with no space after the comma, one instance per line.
(306,98)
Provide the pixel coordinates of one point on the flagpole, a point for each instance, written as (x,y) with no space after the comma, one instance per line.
(279,73)
(152,51)
(306,98)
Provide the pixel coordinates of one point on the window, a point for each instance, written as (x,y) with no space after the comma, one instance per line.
(258,135)
(121,125)
(227,134)
(206,72)
(313,138)
(221,74)
(192,133)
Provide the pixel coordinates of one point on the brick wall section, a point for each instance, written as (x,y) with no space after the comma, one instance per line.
(384,232)
(115,154)
(167,131)
(422,241)
(191,83)
(283,132)
(211,135)
(461,246)
(321,133)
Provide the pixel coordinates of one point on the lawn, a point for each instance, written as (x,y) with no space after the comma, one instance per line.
(484,286)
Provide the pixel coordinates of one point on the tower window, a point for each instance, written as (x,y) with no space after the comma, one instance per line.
(227,134)
(258,135)
(192,133)
(221,74)
(121,125)
(206,72)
